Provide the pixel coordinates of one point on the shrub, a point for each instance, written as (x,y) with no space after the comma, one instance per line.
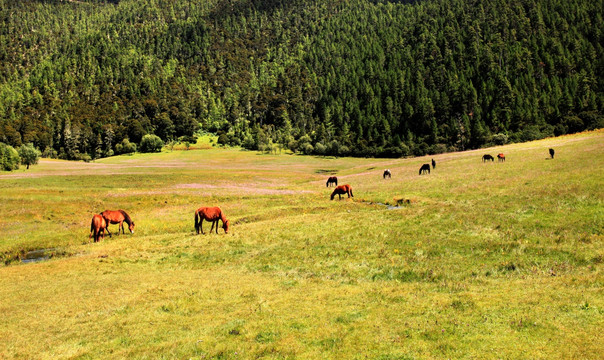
(499,139)
(222,139)
(125,147)
(9,158)
(320,148)
(49,153)
(151,143)
(29,154)
(308,149)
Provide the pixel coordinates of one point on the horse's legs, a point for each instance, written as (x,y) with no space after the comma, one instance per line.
(107,228)
(201,225)
(212,228)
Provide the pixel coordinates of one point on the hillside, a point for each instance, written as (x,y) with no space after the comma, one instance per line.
(487,260)
(359,77)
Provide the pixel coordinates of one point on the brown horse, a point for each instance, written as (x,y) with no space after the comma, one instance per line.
(501,157)
(332,180)
(212,214)
(118,217)
(551,153)
(342,189)
(97,227)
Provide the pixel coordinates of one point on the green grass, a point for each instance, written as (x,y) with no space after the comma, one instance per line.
(488,260)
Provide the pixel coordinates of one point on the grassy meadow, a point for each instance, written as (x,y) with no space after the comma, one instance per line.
(485,261)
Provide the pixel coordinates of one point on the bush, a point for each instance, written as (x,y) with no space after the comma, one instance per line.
(223,139)
(320,148)
(499,139)
(437,149)
(29,154)
(49,153)
(125,147)
(308,149)
(9,158)
(151,143)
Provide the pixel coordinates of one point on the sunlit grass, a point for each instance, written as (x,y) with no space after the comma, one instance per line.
(493,260)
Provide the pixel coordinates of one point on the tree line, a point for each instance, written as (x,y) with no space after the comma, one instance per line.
(88,79)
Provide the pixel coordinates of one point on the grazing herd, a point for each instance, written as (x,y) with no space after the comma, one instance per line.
(100,222)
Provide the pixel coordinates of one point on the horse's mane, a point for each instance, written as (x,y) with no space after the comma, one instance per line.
(222,217)
(126,216)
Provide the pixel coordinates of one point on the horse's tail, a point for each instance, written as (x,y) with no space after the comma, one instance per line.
(350,188)
(91,228)
(197,221)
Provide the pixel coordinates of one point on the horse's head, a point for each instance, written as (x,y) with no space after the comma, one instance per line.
(225,226)
(131,227)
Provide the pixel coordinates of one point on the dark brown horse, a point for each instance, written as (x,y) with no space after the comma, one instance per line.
(97,227)
(501,157)
(487,157)
(424,168)
(118,217)
(212,214)
(433,164)
(551,153)
(342,189)
(332,180)
(387,173)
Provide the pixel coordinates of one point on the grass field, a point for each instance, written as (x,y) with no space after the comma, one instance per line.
(486,261)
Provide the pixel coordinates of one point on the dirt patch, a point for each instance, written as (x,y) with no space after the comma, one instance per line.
(246,189)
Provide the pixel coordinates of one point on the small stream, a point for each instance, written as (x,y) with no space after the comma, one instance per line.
(390,207)
(37,255)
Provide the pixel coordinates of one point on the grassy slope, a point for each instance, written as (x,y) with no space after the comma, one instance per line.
(496,260)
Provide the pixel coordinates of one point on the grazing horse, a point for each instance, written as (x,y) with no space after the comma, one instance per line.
(212,214)
(424,168)
(332,180)
(487,157)
(501,157)
(118,217)
(97,227)
(342,189)
(551,153)
(433,164)
(387,173)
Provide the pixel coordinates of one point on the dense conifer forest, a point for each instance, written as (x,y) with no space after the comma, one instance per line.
(84,79)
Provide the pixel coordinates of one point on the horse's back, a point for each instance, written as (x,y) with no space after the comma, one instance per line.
(209,213)
(98,221)
(114,215)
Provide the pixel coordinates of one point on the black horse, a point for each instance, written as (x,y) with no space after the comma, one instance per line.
(332,180)
(433,164)
(387,173)
(487,157)
(424,168)
(551,153)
